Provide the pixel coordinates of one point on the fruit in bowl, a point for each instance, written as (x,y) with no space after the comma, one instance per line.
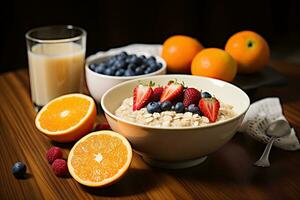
(124,64)
(105,71)
(172,111)
(168,145)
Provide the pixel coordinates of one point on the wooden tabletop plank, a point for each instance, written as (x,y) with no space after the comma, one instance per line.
(227,173)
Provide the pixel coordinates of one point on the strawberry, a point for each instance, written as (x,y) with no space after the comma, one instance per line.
(179,98)
(210,108)
(157,93)
(171,91)
(141,96)
(191,96)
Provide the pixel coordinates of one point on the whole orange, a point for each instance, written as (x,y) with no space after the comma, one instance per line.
(214,63)
(179,51)
(250,50)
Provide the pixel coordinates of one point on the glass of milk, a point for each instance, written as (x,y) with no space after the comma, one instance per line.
(56,56)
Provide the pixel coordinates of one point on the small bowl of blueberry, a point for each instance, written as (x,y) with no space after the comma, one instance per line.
(105,71)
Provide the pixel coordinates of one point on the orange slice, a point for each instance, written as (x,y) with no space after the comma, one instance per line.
(100,158)
(67,118)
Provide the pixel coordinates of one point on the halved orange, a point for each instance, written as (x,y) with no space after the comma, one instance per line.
(67,118)
(100,158)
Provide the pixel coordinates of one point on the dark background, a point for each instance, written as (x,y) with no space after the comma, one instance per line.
(111,23)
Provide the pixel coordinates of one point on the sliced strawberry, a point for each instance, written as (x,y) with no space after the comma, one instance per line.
(171,91)
(210,108)
(179,98)
(191,96)
(157,92)
(141,96)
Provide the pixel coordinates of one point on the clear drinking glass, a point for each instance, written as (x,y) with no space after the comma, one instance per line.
(56,56)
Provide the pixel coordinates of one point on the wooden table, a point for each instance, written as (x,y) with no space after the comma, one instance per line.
(227,173)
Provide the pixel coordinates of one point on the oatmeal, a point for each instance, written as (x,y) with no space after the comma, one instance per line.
(169,118)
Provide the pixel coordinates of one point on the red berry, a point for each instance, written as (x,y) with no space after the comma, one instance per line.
(157,92)
(141,96)
(191,96)
(177,99)
(59,167)
(210,108)
(53,153)
(171,91)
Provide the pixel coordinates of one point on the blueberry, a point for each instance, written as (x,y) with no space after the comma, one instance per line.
(93,66)
(153,107)
(128,59)
(150,61)
(142,57)
(111,61)
(151,69)
(109,71)
(205,95)
(159,65)
(114,68)
(100,68)
(118,64)
(179,107)
(138,61)
(153,65)
(166,105)
(122,64)
(133,59)
(152,58)
(131,66)
(120,72)
(19,169)
(122,55)
(193,109)
(147,71)
(129,72)
(143,67)
(139,71)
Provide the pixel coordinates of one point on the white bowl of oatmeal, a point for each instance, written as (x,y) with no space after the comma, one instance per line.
(170,139)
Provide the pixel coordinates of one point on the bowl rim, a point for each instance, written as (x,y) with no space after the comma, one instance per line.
(174,128)
(160,59)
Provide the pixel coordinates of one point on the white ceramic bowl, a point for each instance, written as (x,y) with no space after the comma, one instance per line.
(177,147)
(98,84)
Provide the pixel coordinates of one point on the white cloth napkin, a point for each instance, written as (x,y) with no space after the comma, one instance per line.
(258,118)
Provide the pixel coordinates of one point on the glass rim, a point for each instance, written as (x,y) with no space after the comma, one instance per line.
(71,39)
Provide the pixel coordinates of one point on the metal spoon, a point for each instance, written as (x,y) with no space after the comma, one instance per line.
(276,129)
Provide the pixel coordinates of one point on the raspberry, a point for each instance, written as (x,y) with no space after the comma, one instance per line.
(157,93)
(59,167)
(53,153)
